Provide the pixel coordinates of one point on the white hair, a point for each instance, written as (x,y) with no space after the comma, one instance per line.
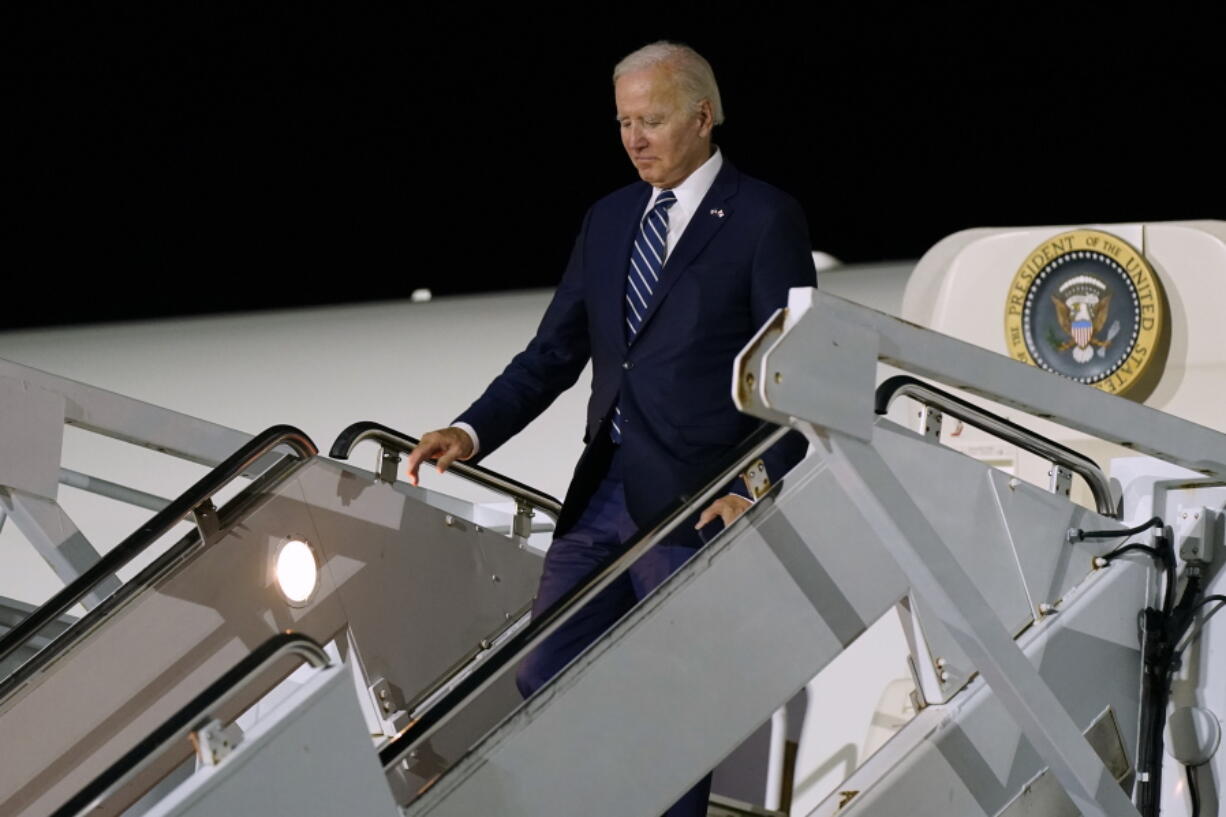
(692,72)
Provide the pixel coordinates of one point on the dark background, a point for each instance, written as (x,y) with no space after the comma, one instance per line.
(203,158)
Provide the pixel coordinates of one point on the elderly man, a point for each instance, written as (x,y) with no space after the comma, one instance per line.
(668,279)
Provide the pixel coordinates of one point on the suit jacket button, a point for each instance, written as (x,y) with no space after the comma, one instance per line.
(628,365)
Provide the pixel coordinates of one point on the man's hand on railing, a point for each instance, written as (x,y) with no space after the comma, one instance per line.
(727,508)
(444,445)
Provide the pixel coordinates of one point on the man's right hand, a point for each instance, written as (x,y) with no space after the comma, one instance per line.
(444,445)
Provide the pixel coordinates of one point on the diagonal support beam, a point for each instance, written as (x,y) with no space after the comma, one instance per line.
(935,574)
(57,539)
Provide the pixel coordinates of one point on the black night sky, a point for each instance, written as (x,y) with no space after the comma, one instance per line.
(184,157)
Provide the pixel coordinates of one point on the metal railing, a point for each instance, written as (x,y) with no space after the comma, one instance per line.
(192,717)
(1024,438)
(393,444)
(541,627)
(196,501)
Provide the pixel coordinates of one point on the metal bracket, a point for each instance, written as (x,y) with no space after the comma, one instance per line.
(950,677)
(390,706)
(215,742)
(424,762)
(930,423)
(1061,481)
(388,466)
(521,525)
(205,515)
(757,480)
(406,775)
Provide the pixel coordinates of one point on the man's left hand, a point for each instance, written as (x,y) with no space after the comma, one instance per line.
(727,508)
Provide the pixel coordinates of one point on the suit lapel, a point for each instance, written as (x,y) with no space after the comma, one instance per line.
(712,213)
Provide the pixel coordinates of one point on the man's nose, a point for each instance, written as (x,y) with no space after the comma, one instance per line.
(638,137)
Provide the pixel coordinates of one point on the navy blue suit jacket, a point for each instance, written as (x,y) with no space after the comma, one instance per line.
(743,249)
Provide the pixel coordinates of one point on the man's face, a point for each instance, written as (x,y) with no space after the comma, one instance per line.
(666,139)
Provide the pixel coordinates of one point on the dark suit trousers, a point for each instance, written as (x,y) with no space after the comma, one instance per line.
(594,541)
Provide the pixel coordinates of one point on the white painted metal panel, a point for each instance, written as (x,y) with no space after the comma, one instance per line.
(310,757)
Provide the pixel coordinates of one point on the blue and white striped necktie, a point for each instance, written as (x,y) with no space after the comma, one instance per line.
(643,277)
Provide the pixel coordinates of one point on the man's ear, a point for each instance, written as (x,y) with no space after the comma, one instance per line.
(706,118)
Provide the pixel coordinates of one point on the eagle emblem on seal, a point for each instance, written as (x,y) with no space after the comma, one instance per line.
(1082,307)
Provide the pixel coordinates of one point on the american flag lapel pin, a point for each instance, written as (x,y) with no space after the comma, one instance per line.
(719,213)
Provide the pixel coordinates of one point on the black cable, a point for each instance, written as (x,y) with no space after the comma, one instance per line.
(1167,549)
(1215,597)
(1120,551)
(1161,633)
(1154,690)
(1178,654)
(1080,535)
(1193,791)
(1164,553)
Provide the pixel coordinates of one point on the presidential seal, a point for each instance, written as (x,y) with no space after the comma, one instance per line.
(1087,306)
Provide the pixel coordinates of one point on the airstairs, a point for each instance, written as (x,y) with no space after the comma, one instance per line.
(181,691)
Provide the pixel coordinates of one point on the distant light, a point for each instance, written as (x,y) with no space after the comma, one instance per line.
(421,296)
(297,571)
(825,261)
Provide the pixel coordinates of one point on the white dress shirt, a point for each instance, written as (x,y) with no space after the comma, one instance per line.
(690,194)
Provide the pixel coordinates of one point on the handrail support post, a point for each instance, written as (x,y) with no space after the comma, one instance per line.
(214,742)
(207,523)
(931,419)
(521,525)
(388,466)
(1061,481)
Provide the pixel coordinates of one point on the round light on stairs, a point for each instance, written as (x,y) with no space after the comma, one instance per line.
(297,572)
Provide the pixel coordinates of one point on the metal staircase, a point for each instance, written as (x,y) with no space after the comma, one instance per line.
(1023,637)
